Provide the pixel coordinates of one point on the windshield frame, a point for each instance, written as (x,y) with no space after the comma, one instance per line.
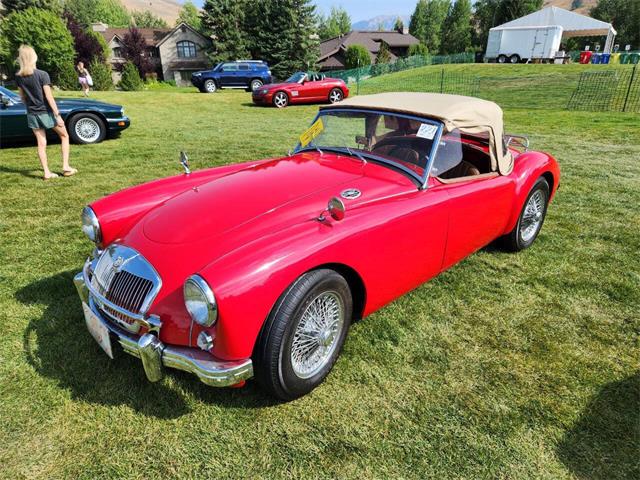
(304,76)
(13,96)
(422,180)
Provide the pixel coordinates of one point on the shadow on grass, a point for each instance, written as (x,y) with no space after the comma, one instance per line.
(605,442)
(58,346)
(25,172)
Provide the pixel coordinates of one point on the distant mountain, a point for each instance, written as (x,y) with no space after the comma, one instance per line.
(387,22)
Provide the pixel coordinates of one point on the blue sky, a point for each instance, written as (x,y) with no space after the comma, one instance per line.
(363,9)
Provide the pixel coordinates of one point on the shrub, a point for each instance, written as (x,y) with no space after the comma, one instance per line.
(418,49)
(47,34)
(101,75)
(357,56)
(130,80)
(67,79)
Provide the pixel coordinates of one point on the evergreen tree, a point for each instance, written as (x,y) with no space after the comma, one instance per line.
(130,80)
(190,15)
(456,36)
(134,50)
(436,13)
(335,24)
(46,33)
(357,56)
(490,13)
(399,25)
(86,12)
(101,75)
(11,6)
(223,20)
(625,16)
(384,54)
(417,24)
(146,19)
(418,49)
(306,47)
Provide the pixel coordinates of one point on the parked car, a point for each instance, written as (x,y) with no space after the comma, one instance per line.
(382,193)
(247,74)
(87,121)
(302,87)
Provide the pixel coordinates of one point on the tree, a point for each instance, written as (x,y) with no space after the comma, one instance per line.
(46,33)
(456,35)
(88,45)
(357,56)
(427,20)
(101,75)
(282,32)
(417,23)
(223,20)
(384,54)
(130,80)
(11,6)
(146,19)
(335,24)
(625,17)
(134,50)
(190,15)
(418,49)
(111,12)
(399,25)
(490,13)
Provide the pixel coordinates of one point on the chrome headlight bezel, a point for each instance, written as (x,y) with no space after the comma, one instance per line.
(200,301)
(91,225)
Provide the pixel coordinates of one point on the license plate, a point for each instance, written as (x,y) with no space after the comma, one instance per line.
(97,329)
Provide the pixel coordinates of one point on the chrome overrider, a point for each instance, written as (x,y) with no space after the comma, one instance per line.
(155,355)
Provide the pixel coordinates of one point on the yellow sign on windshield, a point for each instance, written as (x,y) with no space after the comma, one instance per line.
(313,131)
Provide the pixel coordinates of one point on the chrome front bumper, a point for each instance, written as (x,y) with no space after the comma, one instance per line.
(155,355)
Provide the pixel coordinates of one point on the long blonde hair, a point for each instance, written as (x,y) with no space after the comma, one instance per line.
(27,59)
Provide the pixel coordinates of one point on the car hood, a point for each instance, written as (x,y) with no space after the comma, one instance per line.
(277,192)
(70,103)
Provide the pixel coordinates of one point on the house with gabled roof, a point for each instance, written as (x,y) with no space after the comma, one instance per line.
(332,51)
(174,52)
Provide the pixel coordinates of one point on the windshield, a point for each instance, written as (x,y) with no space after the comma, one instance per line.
(8,93)
(296,77)
(401,141)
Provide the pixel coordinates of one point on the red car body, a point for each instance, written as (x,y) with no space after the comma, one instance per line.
(313,88)
(251,230)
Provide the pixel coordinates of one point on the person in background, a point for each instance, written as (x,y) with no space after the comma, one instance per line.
(83,78)
(42,112)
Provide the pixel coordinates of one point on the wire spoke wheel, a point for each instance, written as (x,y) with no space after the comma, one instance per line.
(317,334)
(532,217)
(88,130)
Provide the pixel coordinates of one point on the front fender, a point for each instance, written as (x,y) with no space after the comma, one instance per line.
(528,168)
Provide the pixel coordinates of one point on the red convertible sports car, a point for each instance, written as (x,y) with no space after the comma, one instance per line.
(302,88)
(257,269)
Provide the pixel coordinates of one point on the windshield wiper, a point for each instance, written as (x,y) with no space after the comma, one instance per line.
(357,154)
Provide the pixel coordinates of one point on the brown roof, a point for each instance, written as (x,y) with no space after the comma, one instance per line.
(151,35)
(371,41)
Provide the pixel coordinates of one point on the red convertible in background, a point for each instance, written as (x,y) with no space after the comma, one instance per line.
(302,88)
(257,269)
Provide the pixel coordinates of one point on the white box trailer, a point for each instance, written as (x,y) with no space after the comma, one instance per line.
(516,44)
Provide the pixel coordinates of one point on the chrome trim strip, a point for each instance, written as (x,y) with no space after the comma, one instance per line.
(155,355)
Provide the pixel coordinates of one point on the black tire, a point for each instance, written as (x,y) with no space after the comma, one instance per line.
(513,59)
(86,128)
(335,95)
(255,84)
(515,241)
(280,100)
(209,86)
(272,356)
(502,59)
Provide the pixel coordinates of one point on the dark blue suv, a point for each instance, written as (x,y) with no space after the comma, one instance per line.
(247,74)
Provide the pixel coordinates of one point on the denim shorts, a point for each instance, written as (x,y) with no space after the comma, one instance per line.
(41,120)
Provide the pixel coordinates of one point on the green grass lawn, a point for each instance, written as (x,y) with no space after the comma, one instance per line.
(507,366)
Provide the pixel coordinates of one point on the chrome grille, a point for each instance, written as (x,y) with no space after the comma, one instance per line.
(125,279)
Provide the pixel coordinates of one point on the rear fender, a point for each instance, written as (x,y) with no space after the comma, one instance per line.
(528,168)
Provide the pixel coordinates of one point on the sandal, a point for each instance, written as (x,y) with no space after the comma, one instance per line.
(50,176)
(68,173)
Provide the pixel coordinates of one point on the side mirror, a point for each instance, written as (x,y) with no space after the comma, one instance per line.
(184,161)
(336,209)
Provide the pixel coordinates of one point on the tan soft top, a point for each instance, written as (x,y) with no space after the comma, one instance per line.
(468,114)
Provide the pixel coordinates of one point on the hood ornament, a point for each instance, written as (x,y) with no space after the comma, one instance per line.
(350,193)
(184,161)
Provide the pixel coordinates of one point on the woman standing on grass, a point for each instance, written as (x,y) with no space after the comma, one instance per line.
(42,112)
(83,78)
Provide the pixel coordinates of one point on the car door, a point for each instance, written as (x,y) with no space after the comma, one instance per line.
(243,77)
(311,90)
(228,75)
(13,120)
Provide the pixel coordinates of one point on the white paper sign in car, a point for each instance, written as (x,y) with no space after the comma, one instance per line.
(427,131)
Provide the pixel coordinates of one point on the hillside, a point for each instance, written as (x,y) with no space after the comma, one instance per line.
(579,6)
(168,10)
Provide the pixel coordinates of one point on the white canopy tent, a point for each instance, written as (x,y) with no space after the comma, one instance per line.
(573,24)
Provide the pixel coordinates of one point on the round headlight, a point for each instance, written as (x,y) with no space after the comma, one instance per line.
(200,301)
(91,225)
